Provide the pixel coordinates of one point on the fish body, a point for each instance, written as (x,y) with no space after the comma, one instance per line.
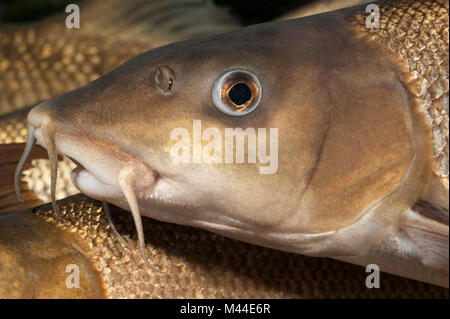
(360,173)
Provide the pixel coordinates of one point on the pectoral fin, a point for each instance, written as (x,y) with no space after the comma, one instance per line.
(428,229)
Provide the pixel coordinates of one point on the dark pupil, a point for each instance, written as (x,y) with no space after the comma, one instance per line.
(240,93)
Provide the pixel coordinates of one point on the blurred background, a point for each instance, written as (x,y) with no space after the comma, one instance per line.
(248,11)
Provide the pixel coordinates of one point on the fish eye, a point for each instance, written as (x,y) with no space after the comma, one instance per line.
(237,92)
(163,78)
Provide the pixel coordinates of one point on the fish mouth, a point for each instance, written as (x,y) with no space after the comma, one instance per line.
(99,165)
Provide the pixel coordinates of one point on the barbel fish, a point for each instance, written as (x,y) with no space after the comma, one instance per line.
(355,181)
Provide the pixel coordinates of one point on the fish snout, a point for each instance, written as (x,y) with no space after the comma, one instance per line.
(42,131)
(41,121)
(40,115)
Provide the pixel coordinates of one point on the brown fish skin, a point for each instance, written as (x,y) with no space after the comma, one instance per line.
(37,254)
(328,202)
(416,34)
(196,263)
(399,284)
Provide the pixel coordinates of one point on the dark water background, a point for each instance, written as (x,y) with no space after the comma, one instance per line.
(248,11)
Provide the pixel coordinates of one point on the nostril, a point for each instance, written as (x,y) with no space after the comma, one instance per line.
(39,115)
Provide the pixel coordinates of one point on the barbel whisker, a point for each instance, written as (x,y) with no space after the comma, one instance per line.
(31,140)
(112,225)
(48,135)
(127,180)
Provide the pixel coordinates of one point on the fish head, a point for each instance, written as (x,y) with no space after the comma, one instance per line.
(288,91)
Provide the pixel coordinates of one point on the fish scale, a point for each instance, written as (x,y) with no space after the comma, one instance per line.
(417,33)
(199,264)
(39,64)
